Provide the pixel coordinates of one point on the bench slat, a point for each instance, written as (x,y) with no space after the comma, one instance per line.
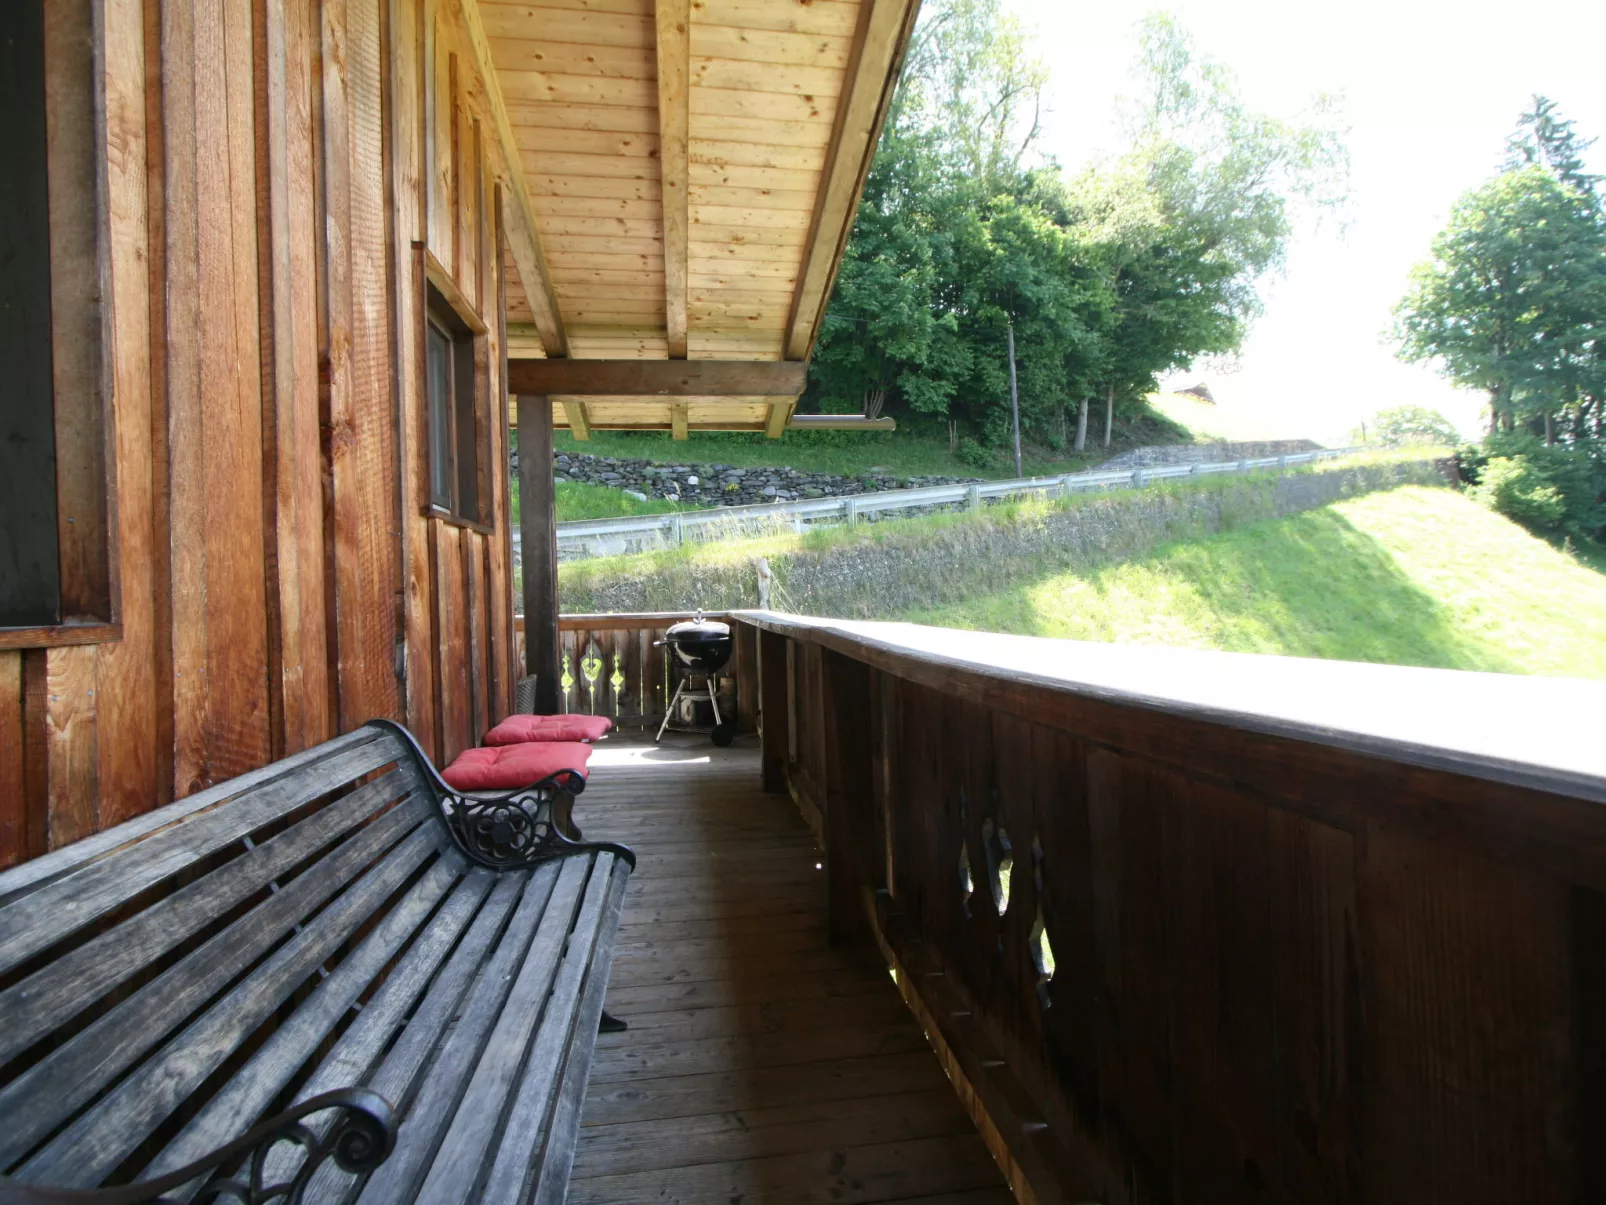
(398,1076)
(351,1060)
(93,1145)
(520,1142)
(254,1086)
(563,1129)
(35,872)
(43,917)
(50,1091)
(442,1084)
(56,993)
(457,1165)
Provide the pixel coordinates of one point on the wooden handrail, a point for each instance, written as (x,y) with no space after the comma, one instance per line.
(1203,926)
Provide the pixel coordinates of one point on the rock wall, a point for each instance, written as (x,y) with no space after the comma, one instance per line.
(708,485)
(1210,453)
(887,570)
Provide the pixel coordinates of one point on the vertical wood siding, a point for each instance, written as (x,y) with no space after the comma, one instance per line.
(274,175)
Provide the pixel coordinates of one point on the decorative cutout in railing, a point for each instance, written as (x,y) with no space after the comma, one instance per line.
(967,883)
(1041,949)
(1042,958)
(591,673)
(617,681)
(567,681)
(1000,863)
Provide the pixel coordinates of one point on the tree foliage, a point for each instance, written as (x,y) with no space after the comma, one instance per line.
(1412,426)
(1512,302)
(1132,268)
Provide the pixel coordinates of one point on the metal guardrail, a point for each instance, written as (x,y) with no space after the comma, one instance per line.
(679,526)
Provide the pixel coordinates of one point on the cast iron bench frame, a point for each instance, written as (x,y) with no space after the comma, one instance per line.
(402,981)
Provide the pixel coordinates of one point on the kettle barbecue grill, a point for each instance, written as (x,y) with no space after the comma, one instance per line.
(699,648)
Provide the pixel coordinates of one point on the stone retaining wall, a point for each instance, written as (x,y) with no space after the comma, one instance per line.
(709,485)
(884,571)
(1210,453)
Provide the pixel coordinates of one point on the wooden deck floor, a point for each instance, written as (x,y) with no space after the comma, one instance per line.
(761,1064)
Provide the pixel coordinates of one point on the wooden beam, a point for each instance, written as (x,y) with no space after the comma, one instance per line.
(674,161)
(679,414)
(878,50)
(538,538)
(658,378)
(523,234)
(579,427)
(780,415)
(840,422)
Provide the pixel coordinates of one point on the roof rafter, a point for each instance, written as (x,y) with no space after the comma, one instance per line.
(523,235)
(674,161)
(879,44)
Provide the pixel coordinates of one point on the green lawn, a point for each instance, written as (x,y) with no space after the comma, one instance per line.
(1412,576)
(576,500)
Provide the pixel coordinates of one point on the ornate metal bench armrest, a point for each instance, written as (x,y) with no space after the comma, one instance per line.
(508,829)
(361,1138)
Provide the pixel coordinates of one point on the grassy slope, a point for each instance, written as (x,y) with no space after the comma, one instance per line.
(1412,576)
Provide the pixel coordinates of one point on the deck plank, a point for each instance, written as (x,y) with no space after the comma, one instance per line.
(761,1062)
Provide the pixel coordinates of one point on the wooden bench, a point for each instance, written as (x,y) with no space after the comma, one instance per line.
(333,975)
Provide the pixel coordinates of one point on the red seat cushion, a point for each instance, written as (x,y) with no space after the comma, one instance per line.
(506,767)
(518,729)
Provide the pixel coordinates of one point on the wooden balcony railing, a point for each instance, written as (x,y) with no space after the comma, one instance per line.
(1204,927)
(612,665)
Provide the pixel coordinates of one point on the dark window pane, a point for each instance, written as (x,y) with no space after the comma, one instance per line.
(439,384)
(30,573)
(468,461)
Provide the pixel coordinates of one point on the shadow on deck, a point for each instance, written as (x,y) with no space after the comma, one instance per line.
(761,1063)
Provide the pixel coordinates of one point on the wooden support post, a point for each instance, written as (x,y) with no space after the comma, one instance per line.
(850,828)
(538,535)
(746,640)
(679,417)
(774,709)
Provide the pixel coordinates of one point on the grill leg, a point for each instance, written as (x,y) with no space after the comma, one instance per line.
(680,686)
(713,689)
(611,1024)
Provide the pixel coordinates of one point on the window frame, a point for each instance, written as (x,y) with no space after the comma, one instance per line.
(448,314)
(89,602)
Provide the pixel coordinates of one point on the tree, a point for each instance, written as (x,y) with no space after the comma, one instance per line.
(1513,299)
(1137,266)
(1544,139)
(1410,426)
(1189,222)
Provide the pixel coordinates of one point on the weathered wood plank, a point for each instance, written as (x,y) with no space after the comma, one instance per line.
(71,1075)
(431,1113)
(45,916)
(13,779)
(536,996)
(673,18)
(49,867)
(253,1088)
(103,1136)
(552,1179)
(126,690)
(657,378)
(55,993)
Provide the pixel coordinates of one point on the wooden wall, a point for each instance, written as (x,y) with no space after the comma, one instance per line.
(277,176)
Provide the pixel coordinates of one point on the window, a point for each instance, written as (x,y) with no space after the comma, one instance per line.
(58,572)
(457,432)
(30,577)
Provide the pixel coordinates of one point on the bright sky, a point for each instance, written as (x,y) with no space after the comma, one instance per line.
(1432,90)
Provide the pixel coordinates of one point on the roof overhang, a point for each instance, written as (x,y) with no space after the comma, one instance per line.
(689,172)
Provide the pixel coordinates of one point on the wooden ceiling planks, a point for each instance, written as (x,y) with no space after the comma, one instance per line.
(691,168)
